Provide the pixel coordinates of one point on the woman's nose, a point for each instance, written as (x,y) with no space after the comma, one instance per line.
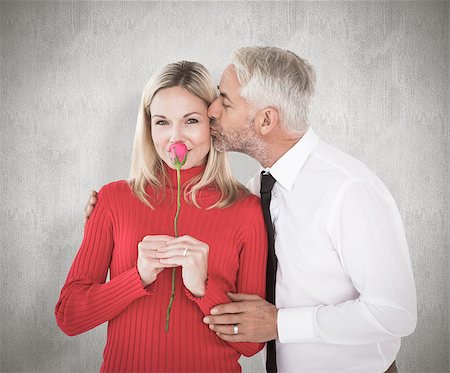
(177,133)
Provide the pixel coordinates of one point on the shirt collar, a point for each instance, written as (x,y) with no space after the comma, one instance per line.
(286,169)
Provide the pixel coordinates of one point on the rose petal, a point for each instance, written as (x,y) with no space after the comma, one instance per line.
(177,152)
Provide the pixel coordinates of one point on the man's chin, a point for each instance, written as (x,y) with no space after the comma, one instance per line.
(219,145)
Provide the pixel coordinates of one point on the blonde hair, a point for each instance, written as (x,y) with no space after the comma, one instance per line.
(279,78)
(147,168)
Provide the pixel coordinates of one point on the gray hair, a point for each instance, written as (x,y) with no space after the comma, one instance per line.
(274,77)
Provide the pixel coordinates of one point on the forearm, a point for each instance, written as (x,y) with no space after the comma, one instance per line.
(367,234)
(216,294)
(84,304)
(350,323)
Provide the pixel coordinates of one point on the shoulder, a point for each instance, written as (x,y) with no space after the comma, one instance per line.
(114,189)
(342,168)
(247,208)
(250,201)
(342,173)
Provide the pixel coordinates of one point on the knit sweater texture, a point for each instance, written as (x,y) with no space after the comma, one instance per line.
(136,315)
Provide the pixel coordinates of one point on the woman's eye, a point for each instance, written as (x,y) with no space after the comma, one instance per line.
(160,123)
(192,121)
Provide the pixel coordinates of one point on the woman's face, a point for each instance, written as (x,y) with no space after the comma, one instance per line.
(180,116)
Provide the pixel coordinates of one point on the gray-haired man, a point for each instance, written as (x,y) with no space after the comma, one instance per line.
(344,289)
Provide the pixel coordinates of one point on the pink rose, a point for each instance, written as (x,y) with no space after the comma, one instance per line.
(178,154)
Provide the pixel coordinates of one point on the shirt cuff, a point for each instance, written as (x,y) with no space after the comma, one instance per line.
(296,325)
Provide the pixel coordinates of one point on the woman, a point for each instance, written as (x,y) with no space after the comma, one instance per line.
(221,248)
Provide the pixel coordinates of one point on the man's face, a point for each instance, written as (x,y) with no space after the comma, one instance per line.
(232,126)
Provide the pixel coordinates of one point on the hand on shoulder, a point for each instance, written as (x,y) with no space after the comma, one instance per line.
(89,208)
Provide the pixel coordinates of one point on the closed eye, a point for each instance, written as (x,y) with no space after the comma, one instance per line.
(223,102)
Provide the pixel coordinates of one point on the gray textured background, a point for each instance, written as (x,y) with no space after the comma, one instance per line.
(71,77)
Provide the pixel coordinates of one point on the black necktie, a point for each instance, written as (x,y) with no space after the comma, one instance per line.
(267,183)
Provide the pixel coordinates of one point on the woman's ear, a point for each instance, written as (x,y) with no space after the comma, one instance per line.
(267,120)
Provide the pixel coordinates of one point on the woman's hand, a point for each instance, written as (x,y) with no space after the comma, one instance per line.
(148,265)
(192,255)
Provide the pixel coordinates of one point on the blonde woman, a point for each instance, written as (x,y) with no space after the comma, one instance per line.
(222,245)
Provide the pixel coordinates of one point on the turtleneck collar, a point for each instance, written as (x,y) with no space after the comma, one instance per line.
(186,175)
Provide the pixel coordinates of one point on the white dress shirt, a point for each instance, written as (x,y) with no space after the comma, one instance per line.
(345,289)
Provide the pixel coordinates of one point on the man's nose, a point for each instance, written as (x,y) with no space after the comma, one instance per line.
(213,110)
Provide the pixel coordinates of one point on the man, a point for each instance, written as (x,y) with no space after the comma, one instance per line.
(344,289)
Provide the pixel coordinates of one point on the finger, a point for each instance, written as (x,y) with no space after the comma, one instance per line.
(157,238)
(94,193)
(85,221)
(239,297)
(156,264)
(151,245)
(225,329)
(177,260)
(179,246)
(162,266)
(186,239)
(146,247)
(233,307)
(223,320)
(232,338)
(171,253)
(89,210)
(93,200)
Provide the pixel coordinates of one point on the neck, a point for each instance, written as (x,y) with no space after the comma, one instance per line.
(275,147)
(186,175)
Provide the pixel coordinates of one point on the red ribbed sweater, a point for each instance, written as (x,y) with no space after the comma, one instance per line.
(136,339)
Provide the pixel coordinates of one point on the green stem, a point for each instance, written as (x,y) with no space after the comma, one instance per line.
(175,221)
(175,228)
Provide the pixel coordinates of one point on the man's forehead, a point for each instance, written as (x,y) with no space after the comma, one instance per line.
(228,73)
(229,83)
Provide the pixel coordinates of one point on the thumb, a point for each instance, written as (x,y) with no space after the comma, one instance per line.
(239,297)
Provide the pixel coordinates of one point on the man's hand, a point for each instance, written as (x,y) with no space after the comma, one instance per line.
(90,206)
(256,319)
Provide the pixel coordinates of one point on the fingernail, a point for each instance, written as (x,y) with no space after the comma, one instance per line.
(211,326)
(206,320)
(213,311)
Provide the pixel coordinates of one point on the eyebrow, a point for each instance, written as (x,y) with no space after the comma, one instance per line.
(194,112)
(224,95)
(184,116)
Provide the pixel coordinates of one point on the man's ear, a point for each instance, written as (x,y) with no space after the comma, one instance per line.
(267,120)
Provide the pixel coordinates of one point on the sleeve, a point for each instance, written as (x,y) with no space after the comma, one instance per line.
(251,277)
(252,270)
(86,301)
(367,233)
